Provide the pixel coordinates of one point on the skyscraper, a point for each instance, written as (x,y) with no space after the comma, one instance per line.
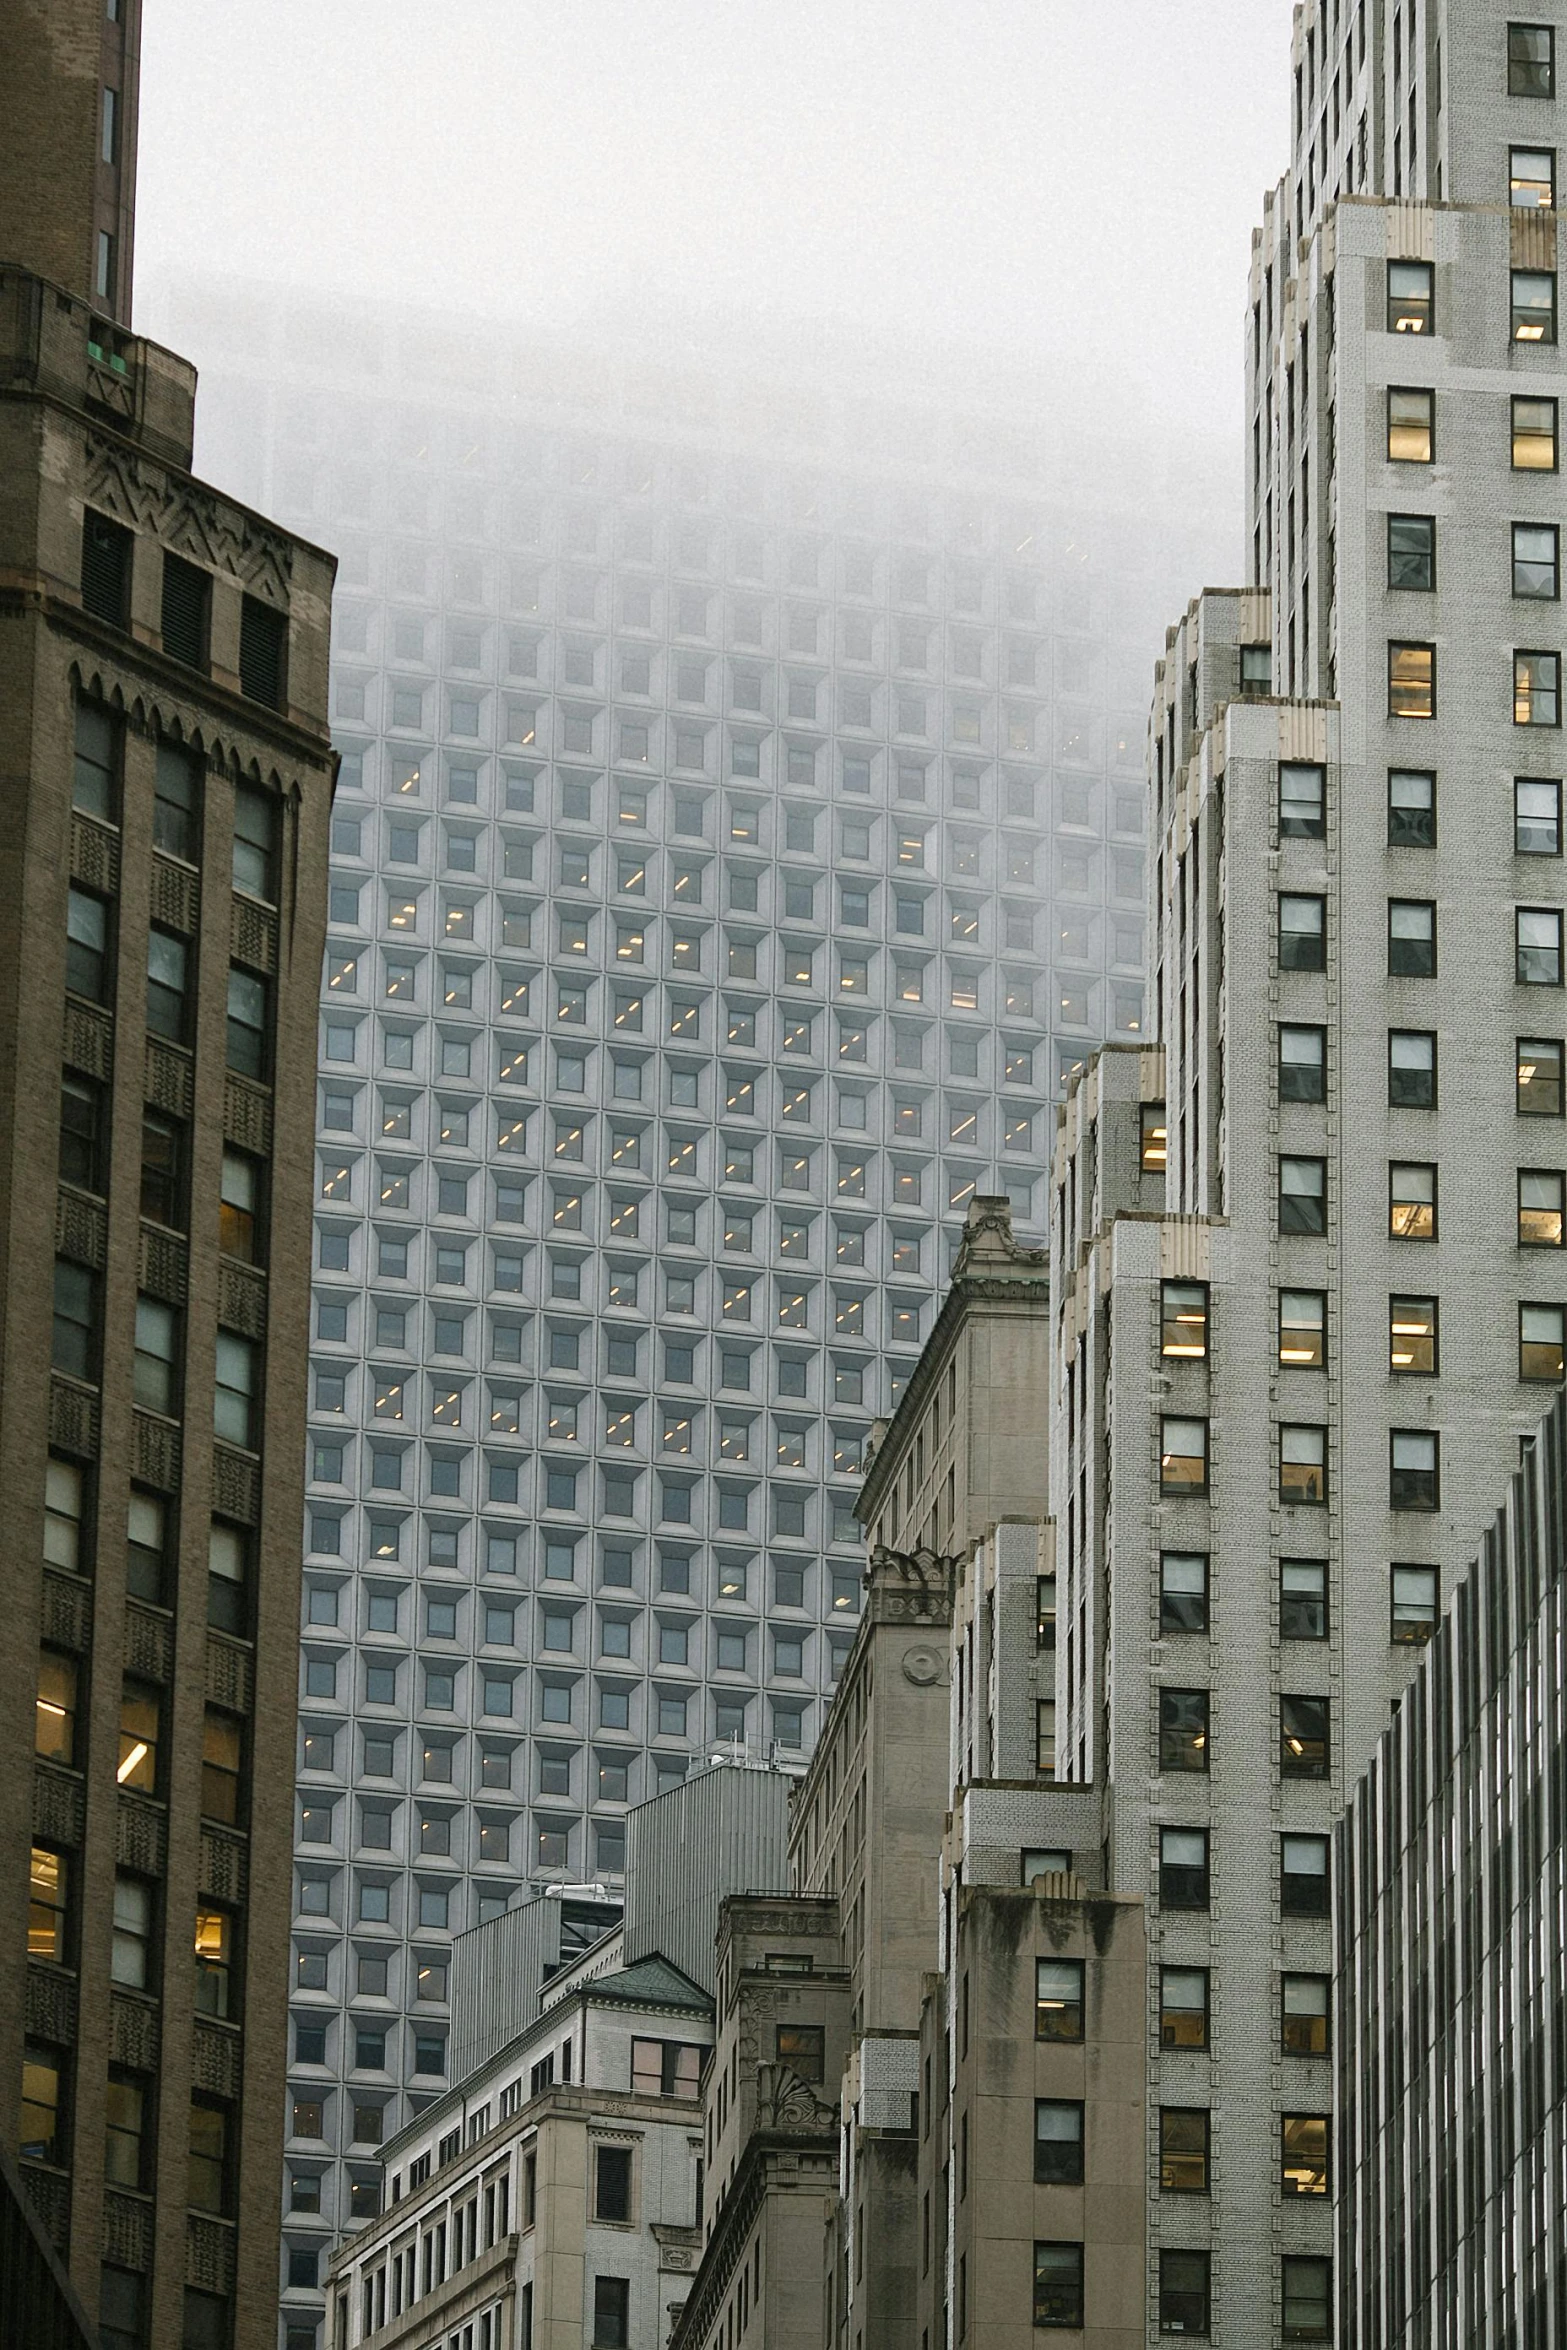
(167,776)
(739,833)
(1283,1411)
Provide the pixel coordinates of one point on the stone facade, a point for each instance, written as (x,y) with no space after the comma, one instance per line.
(167,778)
(1306,1255)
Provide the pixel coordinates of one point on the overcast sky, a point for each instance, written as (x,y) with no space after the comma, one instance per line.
(1064,179)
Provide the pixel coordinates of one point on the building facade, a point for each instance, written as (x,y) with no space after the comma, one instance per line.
(1306,1246)
(163,696)
(1451,2064)
(738,836)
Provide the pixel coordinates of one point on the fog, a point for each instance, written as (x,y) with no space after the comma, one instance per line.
(1056,183)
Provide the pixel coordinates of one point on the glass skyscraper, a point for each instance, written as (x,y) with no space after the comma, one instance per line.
(739,836)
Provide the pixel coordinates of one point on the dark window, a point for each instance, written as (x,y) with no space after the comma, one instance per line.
(1411,808)
(1184,2294)
(1183,1868)
(95,771)
(1540,1342)
(802,2047)
(83,1126)
(75,1335)
(1537,817)
(1537,561)
(1531,61)
(1415,1470)
(210,2171)
(1183,1730)
(1058,2142)
(187,602)
(1411,551)
(1183,2007)
(1303,944)
(44,2134)
(1538,946)
(611,2313)
(1411,938)
(255,843)
(168,979)
(1183,2150)
(222,1747)
(1411,1069)
(1303,1599)
(163,1169)
(1302,799)
(612,2183)
(247,1022)
(263,652)
(1411,297)
(1534,305)
(1303,1876)
(176,804)
(106,569)
(1303,1063)
(1303,1464)
(1058,2285)
(87,945)
(1307,2297)
(1183,1591)
(1539,1081)
(1303,1737)
(1303,1186)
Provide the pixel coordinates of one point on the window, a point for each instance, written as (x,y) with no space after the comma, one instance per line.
(1411,552)
(1303,1185)
(1183,1730)
(1411,297)
(1411,426)
(1303,1876)
(1534,436)
(96,763)
(1183,2007)
(1302,934)
(1184,2293)
(1540,1339)
(153,1376)
(1539,1077)
(1183,1868)
(1534,305)
(1537,689)
(1411,809)
(1306,2292)
(1411,938)
(74,1337)
(1303,1737)
(44,2123)
(130,1956)
(1058,1999)
(1540,1205)
(666,2068)
(255,843)
(1414,1605)
(126,2132)
(246,1030)
(222,1739)
(612,2184)
(1531,61)
(1302,1318)
(47,1905)
(1415,1470)
(1184,1318)
(1539,946)
(107,548)
(176,805)
(802,2047)
(1303,2150)
(1183,1591)
(263,652)
(1183,2150)
(214,1952)
(1411,681)
(1303,1599)
(1058,2285)
(1411,1069)
(83,1123)
(1058,2142)
(1302,795)
(1303,1472)
(1537,818)
(1537,561)
(1183,1461)
(87,945)
(235,1389)
(1411,1201)
(1303,1073)
(1304,2012)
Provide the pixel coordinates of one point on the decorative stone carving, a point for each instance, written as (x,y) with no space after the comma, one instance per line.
(81,1228)
(149,1642)
(162,1270)
(923,1666)
(242,1298)
(187,517)
(247,1114)
(175,895)
(228,1673)
(73,1418)
(785,2102)
(155,1452)
(253,935)
(236,1485)
(168,1078)
(95,854)
(89,1039)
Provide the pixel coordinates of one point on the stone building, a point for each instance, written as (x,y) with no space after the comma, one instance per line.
(1287,1387)
(1451,1874)
(167,777)
(737,842)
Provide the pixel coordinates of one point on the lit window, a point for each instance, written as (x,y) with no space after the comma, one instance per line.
(1412,1343)
(1304,2012)
(1414,1595)
(1411,427)
(1184,1318)
(1540,1207)
(1411,680)
(1183,2007)
(1183,2150)
(1534,436)
(1303,1737)
(1411,297)
(1539,1077)
(1534,305)
(1183,1730)
(1303,1464)
(1302,1316)
(1183,1463)
(1304,2154)
(1058,1999)
(1155,1138)
(1540,1338)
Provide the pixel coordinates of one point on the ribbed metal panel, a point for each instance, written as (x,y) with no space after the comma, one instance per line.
(724,1830)
(499,1971)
